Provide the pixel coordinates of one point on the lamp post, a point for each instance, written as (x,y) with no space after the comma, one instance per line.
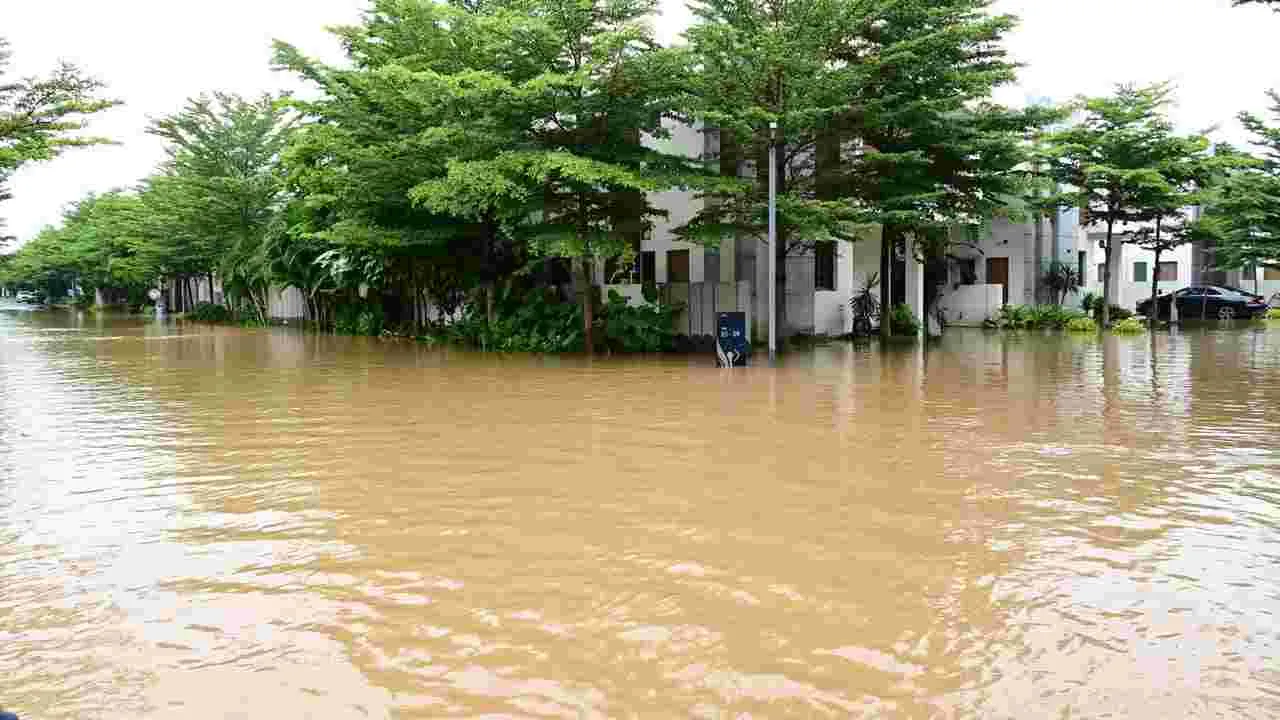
(773,249)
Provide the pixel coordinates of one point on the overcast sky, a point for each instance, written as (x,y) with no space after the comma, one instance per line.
(156,53)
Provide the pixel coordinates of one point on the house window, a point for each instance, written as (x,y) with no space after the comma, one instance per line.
(1167,272)
(1102,272)
(648,267)
(1081,262)
(1139,272)
(1271,273)
(677,266)
(824,271)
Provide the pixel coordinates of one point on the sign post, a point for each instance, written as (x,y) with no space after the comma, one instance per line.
(732,346)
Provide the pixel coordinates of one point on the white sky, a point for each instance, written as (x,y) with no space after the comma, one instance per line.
(156,53)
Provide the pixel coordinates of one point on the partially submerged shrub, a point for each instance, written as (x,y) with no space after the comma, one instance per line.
(903,322)
(1034,317)
(1129,326)
(209,312)
(1082,324)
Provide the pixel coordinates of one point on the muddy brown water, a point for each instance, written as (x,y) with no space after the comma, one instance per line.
(208,522)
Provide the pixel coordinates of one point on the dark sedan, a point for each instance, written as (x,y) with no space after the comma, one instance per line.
(1208,301)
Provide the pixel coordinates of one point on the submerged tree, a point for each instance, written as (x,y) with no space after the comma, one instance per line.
(500,130)
(882,113)
(1242,215)
(1114,163)
(221,194)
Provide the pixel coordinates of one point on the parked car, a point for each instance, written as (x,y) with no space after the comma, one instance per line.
(1209,301)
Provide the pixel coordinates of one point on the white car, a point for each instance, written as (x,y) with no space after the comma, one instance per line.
(26,296)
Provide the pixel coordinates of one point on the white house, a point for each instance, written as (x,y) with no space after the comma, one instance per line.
(1133,269)
(1005,265)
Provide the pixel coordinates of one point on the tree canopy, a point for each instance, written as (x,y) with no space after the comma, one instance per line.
(1242,217)
(41,117)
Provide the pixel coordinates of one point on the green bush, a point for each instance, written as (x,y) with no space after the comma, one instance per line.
(1082,324)
(1273,314)
(358,318)
(638,328)
(1129,326)
(538,322)
(902,321)
(1034,317)
(209,312)
(1089,301)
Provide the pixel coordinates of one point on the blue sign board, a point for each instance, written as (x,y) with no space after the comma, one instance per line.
(732,344)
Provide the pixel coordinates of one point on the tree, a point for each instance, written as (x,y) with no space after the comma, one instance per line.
(501,129)
(96,248)
(382,127)
(1242,215)
(758,62)
(937,155)
(41,117)
(221,193)
(1114,163)
(1273,4)
(571,174)
(882,114)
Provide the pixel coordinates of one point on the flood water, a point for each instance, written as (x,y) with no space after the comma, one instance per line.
(208,522)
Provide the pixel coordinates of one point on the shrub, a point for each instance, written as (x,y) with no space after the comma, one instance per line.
(1129,326)
(538,322)
(903,322)
(1273,314)
(638,328)
(1082,324)
(209,312)
(1088,302)
(1034,317)
(358,318)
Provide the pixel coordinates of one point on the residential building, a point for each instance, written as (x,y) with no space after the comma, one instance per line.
(1133,268)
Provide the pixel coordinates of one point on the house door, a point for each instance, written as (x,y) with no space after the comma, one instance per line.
(998,274)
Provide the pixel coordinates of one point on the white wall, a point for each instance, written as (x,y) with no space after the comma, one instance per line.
(1264,287)
(286,303)
(970,305)
(831,314)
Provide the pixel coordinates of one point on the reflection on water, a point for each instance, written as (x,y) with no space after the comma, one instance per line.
(207,522)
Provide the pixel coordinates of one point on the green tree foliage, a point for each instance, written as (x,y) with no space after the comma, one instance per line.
(217,205)
(882,116)
(1120,163)
(97,247)
(1242,216)
(40,117)
(493,131)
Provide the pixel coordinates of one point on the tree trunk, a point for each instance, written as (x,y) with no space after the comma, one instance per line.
(1155,291)
(1155,283)
(209,276)
(888,237)
(490,316)
(587,304)
(1106,276)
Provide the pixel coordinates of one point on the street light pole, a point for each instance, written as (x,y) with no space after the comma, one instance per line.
(773,248)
